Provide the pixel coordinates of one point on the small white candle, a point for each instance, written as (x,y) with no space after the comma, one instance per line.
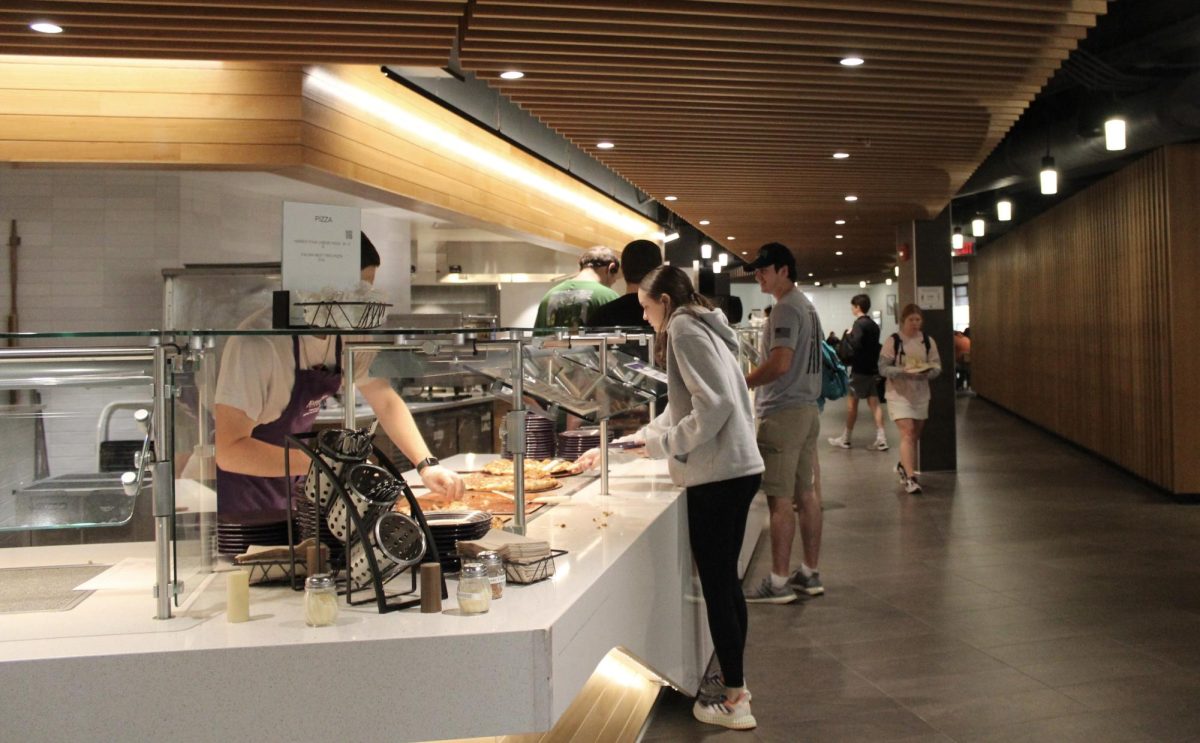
(237,596)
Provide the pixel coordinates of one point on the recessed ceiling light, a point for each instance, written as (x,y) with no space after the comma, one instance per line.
(838,253)
(810,274)
(730,237)
(605,145)
(839,237)
(851,61)
(839,221)
(841,155)
(851,197)
(512,74)
(43,27)
(704,222)
(672,198)
(744,252)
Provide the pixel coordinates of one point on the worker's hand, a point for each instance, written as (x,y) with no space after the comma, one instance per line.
(589,460)
(440,479)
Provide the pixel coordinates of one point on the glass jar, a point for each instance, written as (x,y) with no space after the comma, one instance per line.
(474,591)
(320,600)
(495,572)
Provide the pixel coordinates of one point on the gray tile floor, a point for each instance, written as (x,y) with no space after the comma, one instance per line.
(1038,594)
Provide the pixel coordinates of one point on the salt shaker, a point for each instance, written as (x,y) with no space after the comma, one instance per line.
(320,600)
(474,591)
(495,571)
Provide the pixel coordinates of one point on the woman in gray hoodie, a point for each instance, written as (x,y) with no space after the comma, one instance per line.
(706,434)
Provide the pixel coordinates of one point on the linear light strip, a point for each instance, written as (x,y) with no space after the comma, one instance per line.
(412,124)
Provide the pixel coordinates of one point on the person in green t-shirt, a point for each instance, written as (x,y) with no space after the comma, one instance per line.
(573,302)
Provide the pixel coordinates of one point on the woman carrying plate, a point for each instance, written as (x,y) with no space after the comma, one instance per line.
(706,434)
(908,361)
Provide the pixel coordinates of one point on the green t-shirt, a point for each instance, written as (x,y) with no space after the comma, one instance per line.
(572,303)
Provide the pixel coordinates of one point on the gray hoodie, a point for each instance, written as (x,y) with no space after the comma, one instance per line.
(707,431)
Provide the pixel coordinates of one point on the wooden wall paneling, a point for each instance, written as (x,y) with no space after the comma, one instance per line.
(340,130)
(1072,312)
(239,115)
(1183,263)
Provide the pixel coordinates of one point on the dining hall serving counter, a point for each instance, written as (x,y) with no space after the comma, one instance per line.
(625,582)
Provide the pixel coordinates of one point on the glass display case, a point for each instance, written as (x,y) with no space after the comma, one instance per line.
(110,435)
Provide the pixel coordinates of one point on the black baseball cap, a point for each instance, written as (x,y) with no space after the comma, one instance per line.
(774,254)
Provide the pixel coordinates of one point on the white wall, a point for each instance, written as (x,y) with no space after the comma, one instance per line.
(832,303)
(519,303)
(94,243)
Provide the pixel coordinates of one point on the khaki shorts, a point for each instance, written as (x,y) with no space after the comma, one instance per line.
(787,441)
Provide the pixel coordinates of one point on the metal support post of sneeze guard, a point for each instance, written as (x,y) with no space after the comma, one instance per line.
(164,478)
(349,416)
(515,423)
(198,345)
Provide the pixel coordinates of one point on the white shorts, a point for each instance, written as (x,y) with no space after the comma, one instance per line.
(898,409)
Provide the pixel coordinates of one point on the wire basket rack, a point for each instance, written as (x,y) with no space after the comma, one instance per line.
(338,314)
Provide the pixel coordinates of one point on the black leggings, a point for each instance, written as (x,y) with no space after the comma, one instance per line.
(716,523)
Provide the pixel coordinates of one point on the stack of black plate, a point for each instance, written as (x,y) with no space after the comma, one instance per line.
(237,532)
(450,527)
(539,438)
(571,444)
(309,524)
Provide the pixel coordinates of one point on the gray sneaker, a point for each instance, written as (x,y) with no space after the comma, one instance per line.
(765,593)
(712,688)
(810,585)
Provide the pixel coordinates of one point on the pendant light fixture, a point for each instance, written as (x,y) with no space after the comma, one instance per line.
(978,226)
(1049,176)
(956,239)
(1114,134)
(717,267)
(1004,209)
(723,259)
(705,251)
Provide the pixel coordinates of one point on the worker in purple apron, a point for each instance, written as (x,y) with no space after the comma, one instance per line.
(271,386)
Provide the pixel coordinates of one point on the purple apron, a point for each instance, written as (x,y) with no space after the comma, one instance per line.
(251,495)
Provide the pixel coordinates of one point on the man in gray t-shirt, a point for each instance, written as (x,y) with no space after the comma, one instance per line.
(789,388)
(793,325)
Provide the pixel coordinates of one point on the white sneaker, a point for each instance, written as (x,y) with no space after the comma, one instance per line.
(840,441)
(735,716)
(879,445)
(912,487)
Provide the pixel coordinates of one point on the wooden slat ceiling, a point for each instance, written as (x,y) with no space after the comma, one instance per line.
(734,106)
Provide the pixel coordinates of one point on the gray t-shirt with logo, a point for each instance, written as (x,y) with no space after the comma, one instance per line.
(793,324)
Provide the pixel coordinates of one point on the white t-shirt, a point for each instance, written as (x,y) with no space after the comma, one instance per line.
(258,371)
(910,388)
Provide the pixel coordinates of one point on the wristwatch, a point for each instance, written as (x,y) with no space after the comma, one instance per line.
(426,462)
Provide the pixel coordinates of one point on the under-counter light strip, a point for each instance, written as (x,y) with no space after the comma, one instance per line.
(412,124)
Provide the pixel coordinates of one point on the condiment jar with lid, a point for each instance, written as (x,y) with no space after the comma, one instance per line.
(495,571)
(474,591)
(320,600)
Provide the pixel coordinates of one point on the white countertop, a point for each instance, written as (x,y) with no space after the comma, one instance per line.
(624,582)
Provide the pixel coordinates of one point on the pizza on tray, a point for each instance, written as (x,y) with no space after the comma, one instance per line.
(533,467)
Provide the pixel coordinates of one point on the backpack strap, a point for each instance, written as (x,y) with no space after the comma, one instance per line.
(925,340)
(896,347)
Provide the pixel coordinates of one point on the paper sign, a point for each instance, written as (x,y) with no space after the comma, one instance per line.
(931,298)
(320,246)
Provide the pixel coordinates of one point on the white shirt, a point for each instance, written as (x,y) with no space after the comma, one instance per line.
(910,388)
(258,371)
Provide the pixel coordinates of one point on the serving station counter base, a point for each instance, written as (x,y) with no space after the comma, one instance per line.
(626,582)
